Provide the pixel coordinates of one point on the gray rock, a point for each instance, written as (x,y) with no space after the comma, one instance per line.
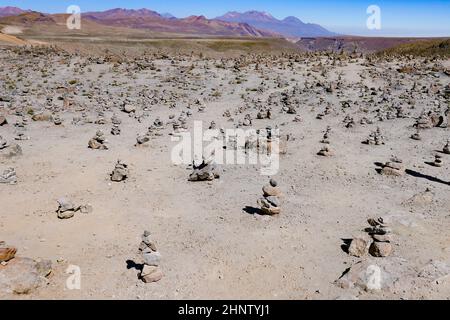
(66,214)
(8,176)
(65,205)
(23,275)
(435,270)
(274,201)
(359,247)
(151,274)
(394,274)
(380,249)
(152,258)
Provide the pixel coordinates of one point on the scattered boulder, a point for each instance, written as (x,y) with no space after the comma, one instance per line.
(372,275)
(3,143)
(435,270)
(416,136)
(6,252)
(430,120)
(8,176)
(128,108)
(3,121)
(421,199)
(43,116)
(24,275)
(66,209)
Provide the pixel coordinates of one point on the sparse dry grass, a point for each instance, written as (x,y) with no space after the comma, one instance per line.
(426,48)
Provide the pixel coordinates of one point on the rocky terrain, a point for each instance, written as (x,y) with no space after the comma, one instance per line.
(357,210)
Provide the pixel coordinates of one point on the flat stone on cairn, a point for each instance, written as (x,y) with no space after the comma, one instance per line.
(115,130)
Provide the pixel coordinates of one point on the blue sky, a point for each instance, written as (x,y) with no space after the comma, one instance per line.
(398,18)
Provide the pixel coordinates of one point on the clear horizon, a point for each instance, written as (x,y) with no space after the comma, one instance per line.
(402,18)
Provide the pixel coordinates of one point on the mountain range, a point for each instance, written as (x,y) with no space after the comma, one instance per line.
(250,24)
(289,26)
(10,11)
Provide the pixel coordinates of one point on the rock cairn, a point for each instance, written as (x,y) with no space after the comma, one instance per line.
(98,142)
(66,209)
(326,136)
(206,171)
(151,271)
(120,172)
(326,152)
(394,167)
(270,203)
(446,148)
(115,130)
(57,120)
(375,138)
(381,238)
(377,242)
(437,161)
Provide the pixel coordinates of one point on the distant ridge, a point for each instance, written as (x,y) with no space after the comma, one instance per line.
(290,26)
(143,19)
(11,11)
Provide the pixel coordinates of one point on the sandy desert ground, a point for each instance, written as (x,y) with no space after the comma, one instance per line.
(214,242)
